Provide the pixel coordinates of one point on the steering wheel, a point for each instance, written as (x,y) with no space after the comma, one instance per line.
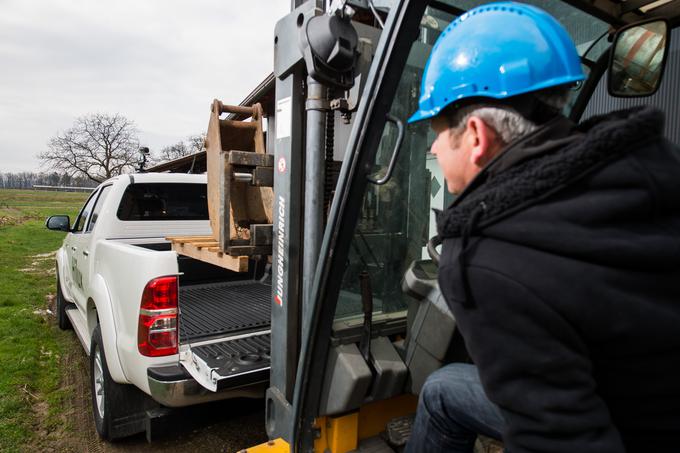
(432,245)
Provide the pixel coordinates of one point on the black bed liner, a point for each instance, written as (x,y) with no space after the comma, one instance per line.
(216,309)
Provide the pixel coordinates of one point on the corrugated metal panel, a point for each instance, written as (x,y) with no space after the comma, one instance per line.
(666,99)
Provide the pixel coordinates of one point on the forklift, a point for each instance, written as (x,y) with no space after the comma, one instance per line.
(357,318)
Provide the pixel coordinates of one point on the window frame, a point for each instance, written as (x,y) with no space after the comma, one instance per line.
(92,197)
(97,204)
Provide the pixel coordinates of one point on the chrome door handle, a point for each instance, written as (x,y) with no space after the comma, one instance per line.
(73,248)
(86,253)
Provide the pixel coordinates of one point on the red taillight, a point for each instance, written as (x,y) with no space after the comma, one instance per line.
(157,329)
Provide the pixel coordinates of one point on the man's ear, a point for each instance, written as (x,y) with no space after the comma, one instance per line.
(482,141)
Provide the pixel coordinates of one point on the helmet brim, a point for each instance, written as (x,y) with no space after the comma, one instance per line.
(421,115)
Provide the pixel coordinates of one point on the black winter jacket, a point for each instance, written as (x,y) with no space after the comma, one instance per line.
(561,264)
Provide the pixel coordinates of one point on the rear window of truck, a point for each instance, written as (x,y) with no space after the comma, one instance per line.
(164,201)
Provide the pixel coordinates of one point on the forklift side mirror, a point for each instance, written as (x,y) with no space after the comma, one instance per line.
(638,58)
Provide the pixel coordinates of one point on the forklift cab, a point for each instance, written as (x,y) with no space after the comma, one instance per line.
(376,324)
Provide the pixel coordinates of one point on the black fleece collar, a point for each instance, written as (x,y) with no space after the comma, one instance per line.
(544,162)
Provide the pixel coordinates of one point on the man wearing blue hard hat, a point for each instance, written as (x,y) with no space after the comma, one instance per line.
(560,256)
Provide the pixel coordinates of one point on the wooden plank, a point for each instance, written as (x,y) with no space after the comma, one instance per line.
(187,238)
(201,244)
(234,263)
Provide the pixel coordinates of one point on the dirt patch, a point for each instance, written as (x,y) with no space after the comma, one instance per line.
(40,264)
(11,220)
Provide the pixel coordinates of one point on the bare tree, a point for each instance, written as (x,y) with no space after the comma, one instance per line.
(173,152)
(193,144)
(97,146)
(196,143)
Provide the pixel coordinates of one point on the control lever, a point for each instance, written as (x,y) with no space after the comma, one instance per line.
(432,245)
(367,307)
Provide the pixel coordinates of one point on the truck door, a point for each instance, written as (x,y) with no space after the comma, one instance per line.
(85,264)
(78,253)
(71,244)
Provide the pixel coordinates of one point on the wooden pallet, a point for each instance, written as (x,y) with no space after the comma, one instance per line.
(206,248)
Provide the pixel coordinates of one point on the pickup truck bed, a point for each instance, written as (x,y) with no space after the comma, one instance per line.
(224,332)
(218,309)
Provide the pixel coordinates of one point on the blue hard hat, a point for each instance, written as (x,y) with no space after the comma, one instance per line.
(497,51)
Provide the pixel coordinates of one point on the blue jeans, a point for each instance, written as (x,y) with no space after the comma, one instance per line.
(452,410)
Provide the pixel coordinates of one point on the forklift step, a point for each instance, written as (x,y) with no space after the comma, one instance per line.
(398,430)
(226,308)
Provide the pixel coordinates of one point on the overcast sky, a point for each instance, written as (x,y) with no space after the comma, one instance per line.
(158,62)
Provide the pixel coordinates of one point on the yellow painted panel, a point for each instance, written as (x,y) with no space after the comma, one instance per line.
(373,417)
(273,446)
(321,442)
(342,433)
(337,434)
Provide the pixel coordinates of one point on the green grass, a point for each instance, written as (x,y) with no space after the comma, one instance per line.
(30,343)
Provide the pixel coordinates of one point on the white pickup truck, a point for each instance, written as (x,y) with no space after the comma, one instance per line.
(161,329)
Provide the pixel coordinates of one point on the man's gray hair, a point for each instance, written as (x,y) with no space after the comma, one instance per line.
(508,123)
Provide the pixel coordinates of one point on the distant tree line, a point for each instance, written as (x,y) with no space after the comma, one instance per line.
(26,180)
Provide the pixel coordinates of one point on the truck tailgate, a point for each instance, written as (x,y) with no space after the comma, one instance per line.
(224,333)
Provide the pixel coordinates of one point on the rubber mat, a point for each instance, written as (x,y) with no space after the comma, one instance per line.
(223,308)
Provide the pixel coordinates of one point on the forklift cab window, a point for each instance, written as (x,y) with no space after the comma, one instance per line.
(396,219)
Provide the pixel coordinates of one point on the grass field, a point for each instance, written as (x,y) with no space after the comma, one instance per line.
(30,343)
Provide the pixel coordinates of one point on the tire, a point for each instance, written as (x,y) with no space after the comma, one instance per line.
(113,404)
(61,304)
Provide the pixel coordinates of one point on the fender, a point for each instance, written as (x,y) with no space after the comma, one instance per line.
(61,263)
(102,302)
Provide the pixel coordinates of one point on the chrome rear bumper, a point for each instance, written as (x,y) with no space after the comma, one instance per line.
(172,386)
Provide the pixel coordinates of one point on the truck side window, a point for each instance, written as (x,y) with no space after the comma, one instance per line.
(98,207)
(665,99)
(84,213)
(164,201)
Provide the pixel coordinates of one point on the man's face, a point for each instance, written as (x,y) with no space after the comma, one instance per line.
(452,155)
(462,155)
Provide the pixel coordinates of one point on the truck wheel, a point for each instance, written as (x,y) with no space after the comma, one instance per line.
(110,400)
(61,304)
